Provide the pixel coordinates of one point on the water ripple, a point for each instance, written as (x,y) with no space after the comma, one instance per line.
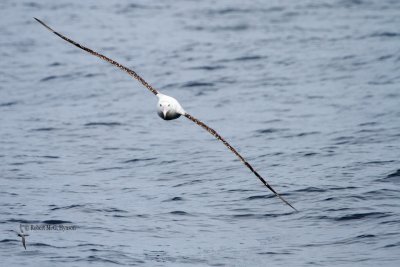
(307,92)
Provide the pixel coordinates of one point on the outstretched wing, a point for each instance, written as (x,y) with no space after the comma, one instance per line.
(216,135)
(109,60)
(23,242)
(154,91)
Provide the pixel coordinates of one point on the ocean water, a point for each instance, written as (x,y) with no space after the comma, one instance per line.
(307,91)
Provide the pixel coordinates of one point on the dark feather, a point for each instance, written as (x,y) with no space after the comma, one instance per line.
(23,241)
(109,60)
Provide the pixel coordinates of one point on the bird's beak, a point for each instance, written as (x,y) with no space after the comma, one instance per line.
(165,113)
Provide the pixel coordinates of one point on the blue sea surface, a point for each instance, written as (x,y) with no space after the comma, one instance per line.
(307,91)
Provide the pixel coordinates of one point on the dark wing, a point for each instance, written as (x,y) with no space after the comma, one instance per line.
(216,135)
(109,60)
(23,241)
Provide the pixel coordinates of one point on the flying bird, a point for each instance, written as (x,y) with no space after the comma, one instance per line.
(22,235)
(168,108)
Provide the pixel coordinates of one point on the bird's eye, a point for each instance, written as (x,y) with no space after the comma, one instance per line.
(160,105)
(169,105)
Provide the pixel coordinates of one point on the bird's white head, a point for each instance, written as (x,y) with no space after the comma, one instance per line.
(168,108)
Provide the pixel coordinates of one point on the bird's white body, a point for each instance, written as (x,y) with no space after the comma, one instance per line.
(168,108)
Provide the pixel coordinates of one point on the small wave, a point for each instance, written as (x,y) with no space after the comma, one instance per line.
(100,259)
(204,92)
(246,215)
(41,245)
(197,84)
(55,64)
(378,162)
(330,199)
(351,240)
(120,216)
(109,124)
(27,162)
(270,130)
(248,58)
(8,104)
(48,78)
(274,253)
(188,183)
(365,236)
(385,57)
(89,185)
(311,189)
(109,169)
(260,216)
(357,216)
(89,75)
(174,199)
(243,58)
(44,129)
(393,245)
(349,3)
(113,210)
(144,216)
(240,190)
(179,212)
(137,160)
(132,7)
(22,221)
(394,175)
(33,5)
(358,197)
(7,240)
(309,154)
(237,27)
(55,222)
(67,207)
(168,161)
(50,157)
(260,197)
(307,133)
(93,250)
(385,34)
(159,256)
(337,209)
(372,123)
(207,67)
(342,140)
(65,76)
(90,245)
(229,10)
(369,131)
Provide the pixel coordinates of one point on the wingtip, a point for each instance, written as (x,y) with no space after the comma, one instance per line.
(278,195)
(44,25)
(38,20)
(287,203)
(41,22)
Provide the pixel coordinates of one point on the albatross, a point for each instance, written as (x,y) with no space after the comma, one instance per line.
(168,108)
